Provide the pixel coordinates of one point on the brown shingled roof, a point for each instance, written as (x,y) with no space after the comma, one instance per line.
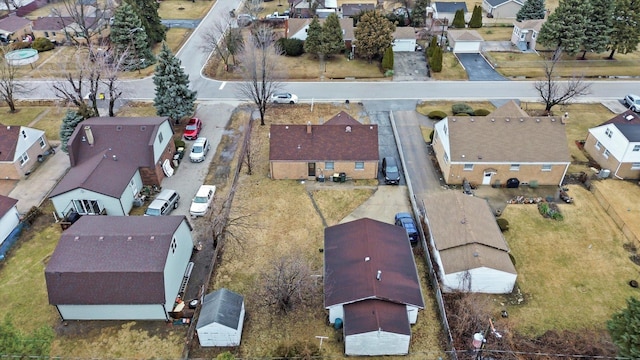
(52,23)
(514,138)
(338,139)
(111,260)
(465,232)
(348,275)
(8,142)
(374,315)
(13,23)
(6,203)
(464,35)
(627,117)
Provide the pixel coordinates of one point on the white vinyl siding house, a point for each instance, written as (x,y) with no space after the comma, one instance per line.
(9,216)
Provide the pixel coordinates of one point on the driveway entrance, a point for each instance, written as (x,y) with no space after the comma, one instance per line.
(478,69)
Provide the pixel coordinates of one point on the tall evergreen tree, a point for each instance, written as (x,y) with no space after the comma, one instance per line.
(387,59)
(374,34)
(313,43)
(599,27)
(566,27)
(624,328)
(147,11)
(69,124)
(332,39)
(625,34)
(435,61)
(173,96)
(531,10)
(128,36)
(458,19)
(419,13)
(476,18)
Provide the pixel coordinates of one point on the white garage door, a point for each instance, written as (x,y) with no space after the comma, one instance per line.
(404,45)
(467,47)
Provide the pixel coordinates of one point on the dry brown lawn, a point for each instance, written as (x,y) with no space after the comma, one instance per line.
(178,9)
(574,273)
(623,197)
(451,69)
(496,33)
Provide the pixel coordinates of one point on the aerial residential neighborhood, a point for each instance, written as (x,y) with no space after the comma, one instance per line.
(319,179)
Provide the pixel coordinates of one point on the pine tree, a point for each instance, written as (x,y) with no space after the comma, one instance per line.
(332,39)
(419,14)
(173,96)
(624,328)
(599,27)
(374,34)
(128,36)
(625,34)
(476,18)
(531,10)
(435,61)
(433,44)
(147,12)
(566,27)
(313,43)
(69,124)
(387,59)
(458,19)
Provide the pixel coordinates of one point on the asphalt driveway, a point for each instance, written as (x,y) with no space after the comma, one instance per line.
(478,69)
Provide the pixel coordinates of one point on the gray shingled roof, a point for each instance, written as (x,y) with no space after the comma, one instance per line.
(111,260)
(348,277)
(630,131)
(221,306)
(450,7)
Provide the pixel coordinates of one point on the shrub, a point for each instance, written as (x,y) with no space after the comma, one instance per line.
(550,210)
(179,143)
(387,59)
(388,73)
(291,47)
(481,112)
(461,114)
(227,355)
(462,108)
(297,350)
(433,44)
(503,224)
(476,18)
(431,135)
(437,114)
(458,19)
(42,44)
(435,61)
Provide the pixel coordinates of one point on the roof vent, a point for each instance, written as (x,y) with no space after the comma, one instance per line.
(472,120)
(347,129)
(129,238)
(370,127)
(101,238)
(454,120)
(493,120)
(286,127)
(8,127)
(537,120)
(76,238)
(367,259)
(553,120)
(521,120)
(475,254)
(629,117)
(507,119)
(299,146)
(379,275)
(143,128)
(152,238)
(115,158)
(119,128)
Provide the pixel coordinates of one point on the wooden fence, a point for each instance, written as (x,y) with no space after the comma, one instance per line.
(615,215)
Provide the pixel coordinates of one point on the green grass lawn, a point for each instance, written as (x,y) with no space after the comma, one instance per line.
(22,117)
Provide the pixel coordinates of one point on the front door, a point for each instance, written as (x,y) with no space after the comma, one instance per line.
(486,180)
(312,169)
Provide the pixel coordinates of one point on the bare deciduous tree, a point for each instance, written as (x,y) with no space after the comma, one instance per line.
(111,64)
(287,284)
(9,86)
(554,92)
(11,4)
(81,21)
(223,39)
(259,66)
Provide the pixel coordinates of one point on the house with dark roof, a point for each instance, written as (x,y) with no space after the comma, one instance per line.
(342,144)
(464,41)
(351,10)
(447,10)
(221,319)
(615,145)
(51,27)
(14,28)
(20,149)
(9,217)
(297,29)
(111,159)
(506,144)
(525,33)
(468,247)
(119,267)
(502,9)
(371,284)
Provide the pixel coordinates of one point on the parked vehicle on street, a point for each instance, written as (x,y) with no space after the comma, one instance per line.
(284,98)
(202,201)
(406,221)
(390,171)
(633,102)
(164,203)
(193,128)
(199,150)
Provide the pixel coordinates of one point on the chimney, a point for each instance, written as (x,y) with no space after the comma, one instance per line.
(379,275)
(89,134)
(308,127)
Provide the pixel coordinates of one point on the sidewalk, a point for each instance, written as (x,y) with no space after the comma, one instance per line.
(34,189)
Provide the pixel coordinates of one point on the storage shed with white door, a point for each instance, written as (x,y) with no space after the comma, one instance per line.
(404,39)
(221,319)
(464,41)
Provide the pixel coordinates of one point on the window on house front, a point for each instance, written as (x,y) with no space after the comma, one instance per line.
(534,35)
(359,165)
(468,167)
(446,158)
(445,129)
(635,166)
(87,207)
(42,143)
(598,145)
(546,167)
(23,159)
(636,148)
(328,165)
(606,154)
(174,245)
(515,167)
(608,132)
(46,34)
(160,138)
(24,134)
(53,33)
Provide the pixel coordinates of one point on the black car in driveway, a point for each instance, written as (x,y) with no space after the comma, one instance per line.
(406,221)
(390,171)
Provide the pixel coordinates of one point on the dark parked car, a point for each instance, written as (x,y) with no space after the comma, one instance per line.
(390,171)
(406,221)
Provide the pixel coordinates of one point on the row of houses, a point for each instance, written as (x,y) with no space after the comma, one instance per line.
(58,29)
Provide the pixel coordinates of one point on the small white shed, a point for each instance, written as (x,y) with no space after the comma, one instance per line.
(9,216)
(221,319)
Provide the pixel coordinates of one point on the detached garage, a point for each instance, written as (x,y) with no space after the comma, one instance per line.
(221,319)
(404,39)
(464,41)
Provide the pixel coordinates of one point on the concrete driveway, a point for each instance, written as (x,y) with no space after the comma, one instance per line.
(478,69)
(382,205)
(410,66)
